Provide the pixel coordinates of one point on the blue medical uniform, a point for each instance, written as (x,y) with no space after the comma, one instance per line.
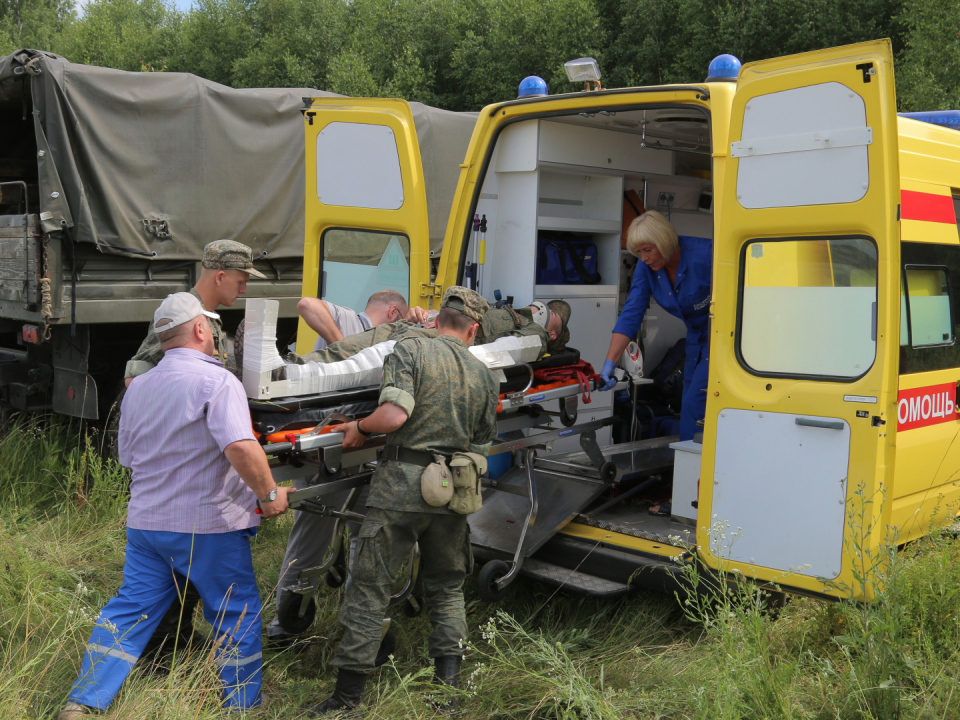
(688,300)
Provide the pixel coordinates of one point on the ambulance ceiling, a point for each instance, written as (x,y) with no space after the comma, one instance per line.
(688,126)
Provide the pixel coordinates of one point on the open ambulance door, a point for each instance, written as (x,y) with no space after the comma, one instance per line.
(366,209)
(801,403)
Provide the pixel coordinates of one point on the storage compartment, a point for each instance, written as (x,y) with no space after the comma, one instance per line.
(686,481)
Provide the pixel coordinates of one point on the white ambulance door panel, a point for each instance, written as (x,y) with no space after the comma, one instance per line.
(358,165)
(780,484)
(805,146)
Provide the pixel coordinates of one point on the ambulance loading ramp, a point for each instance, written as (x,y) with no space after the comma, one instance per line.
(559,489)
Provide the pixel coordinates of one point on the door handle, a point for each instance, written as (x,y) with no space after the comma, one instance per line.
(825,424)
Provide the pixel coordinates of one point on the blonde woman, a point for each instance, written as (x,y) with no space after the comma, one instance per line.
(676,271)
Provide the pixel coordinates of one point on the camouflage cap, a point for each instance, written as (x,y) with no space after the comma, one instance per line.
(465,300)
(229,255)
(562,309)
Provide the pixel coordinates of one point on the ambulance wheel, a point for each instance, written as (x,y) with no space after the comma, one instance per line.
(565,418)
(608,472)
(487,579)
(288,614)
(413,606)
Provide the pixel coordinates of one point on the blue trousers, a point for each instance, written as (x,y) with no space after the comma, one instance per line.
(694,404)
(221,567)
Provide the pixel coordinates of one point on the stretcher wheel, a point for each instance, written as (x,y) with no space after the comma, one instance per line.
(486,581)
(327,475)
(288,614)
(337,574)
(413,606)
(608,472)
(388,646)
(566,419)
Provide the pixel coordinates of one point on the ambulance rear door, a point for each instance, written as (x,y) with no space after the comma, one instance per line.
(366,211)
(798,438)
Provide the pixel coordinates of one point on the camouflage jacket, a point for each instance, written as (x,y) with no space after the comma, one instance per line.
(495,325)
(150,352)
(450,398)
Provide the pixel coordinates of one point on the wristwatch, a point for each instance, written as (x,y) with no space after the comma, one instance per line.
(271,497)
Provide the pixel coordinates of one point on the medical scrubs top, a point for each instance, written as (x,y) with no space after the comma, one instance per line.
(688,300)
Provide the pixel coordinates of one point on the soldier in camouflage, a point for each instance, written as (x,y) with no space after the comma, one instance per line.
(493,325)
(435,398)
(225,268)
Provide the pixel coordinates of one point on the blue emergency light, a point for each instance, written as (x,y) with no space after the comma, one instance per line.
(944,118)
(723,68)
(533,86)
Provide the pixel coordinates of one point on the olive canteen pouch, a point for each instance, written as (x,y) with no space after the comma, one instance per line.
(466,469)
(436,483)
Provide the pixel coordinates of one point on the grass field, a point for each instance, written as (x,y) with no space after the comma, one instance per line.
(540,654)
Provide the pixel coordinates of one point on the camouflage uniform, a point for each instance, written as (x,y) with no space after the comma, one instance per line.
(494,324)
(217,255)
(150,352)
(451,399)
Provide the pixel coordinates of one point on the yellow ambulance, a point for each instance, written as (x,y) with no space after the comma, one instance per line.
(832,415)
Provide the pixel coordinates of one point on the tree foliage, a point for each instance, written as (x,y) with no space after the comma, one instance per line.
(463,54)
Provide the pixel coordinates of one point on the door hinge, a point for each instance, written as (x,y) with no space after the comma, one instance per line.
(428,290)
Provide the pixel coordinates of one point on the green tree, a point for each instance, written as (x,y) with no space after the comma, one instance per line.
(34,24)
(928,74)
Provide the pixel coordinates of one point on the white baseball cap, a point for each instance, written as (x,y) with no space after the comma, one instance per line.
(541,313)
(177,309)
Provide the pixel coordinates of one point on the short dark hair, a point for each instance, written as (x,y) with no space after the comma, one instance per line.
(455,320)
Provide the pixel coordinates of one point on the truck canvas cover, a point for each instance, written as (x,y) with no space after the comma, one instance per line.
(162,163)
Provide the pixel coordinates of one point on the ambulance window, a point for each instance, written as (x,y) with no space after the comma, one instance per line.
(355,264)
(808,307)
(925,317)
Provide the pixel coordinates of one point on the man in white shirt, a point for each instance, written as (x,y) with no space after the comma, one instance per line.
(335,322)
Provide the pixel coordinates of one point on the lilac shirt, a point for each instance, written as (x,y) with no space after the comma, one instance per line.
(175,422)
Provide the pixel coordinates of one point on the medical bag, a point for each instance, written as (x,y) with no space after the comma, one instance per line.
(565,258)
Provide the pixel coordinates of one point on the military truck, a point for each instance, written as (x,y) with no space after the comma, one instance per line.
(111,183)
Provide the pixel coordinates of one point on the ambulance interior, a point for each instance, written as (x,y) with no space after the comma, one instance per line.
(584,176)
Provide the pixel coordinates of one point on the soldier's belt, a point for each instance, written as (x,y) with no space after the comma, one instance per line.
(411,457)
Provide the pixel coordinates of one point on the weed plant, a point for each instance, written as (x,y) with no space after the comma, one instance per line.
(717,653)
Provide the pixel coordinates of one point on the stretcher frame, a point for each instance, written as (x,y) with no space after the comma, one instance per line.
(316,453)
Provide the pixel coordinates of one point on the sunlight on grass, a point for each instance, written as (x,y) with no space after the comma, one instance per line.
(717,654)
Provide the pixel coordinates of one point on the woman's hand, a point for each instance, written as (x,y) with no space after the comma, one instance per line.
(607,377)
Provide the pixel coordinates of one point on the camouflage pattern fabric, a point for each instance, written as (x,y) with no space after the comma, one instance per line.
(467,301)
(451,400)
(229,255)
(494,325)
(150,352)
(383,543)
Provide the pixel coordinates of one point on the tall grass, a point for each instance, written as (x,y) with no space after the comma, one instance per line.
(540,654)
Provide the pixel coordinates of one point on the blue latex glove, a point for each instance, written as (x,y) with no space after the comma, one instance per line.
(607,378)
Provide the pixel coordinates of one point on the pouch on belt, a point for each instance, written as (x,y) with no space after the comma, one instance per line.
(436,483)
(466,469)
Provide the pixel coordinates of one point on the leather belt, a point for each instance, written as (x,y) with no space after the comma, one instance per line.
(406,455)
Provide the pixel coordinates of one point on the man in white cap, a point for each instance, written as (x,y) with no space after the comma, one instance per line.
(198,476)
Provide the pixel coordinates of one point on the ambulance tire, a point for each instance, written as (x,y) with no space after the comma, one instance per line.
(486,581)
(288,614)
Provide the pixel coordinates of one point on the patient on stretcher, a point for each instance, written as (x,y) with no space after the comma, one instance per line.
(509,337)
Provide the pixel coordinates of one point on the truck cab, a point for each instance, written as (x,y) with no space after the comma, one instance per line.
(831,401)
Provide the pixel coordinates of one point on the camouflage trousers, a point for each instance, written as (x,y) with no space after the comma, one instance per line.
(385,540)
(351,345)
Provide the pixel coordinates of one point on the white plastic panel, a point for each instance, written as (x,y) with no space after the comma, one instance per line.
(358,166)
(782,488)
(594,147)
(794,130)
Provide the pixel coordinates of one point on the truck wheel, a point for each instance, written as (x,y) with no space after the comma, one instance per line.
(486,581)
(288,614)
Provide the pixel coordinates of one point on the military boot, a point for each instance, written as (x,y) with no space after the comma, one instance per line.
(346,695)
(447,671)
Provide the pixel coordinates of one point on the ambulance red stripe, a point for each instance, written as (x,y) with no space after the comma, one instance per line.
(927,206)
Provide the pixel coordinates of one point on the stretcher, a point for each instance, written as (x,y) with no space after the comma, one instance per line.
(300,435)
